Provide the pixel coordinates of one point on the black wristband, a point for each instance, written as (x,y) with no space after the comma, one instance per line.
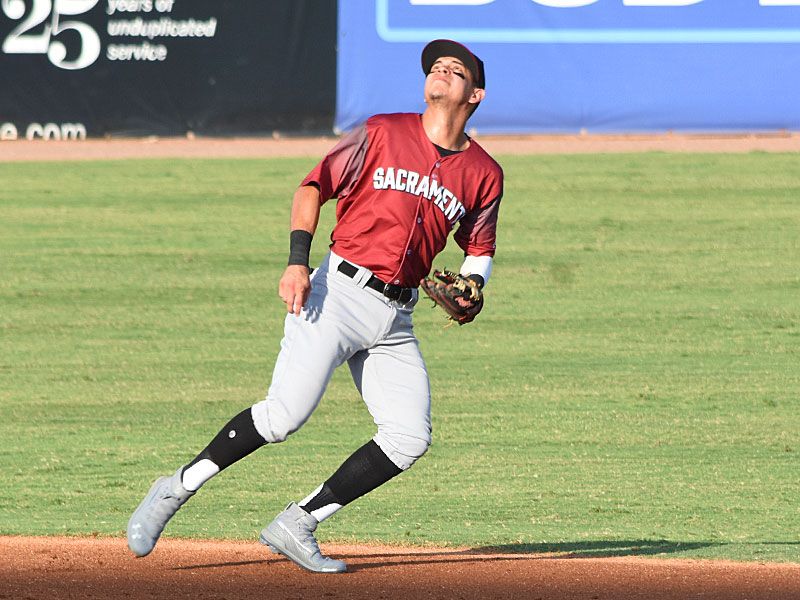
(299,247)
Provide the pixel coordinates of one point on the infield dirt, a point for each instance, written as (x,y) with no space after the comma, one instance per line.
(55,568)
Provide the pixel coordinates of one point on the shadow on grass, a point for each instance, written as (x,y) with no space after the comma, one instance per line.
(597,549)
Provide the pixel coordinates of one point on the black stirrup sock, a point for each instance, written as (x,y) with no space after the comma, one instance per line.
(236,440)
(365,469)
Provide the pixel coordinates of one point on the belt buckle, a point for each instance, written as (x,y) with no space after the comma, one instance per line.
(387,287)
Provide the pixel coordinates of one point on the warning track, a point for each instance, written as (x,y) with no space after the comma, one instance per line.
(104,149)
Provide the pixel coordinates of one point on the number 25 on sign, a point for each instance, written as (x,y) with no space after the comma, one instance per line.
(37,32)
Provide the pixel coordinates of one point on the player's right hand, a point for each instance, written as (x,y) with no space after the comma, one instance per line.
(294,288)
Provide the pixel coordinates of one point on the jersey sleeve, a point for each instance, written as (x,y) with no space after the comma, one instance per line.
(477,231)
(337,173)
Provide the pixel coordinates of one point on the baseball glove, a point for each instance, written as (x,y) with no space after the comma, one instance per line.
(459,296)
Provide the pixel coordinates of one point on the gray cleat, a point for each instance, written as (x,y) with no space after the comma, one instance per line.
(292,534)
(163,500)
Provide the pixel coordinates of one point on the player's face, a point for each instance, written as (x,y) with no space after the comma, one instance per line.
(449,80)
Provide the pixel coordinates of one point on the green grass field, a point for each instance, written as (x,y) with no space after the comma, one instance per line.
(631,388)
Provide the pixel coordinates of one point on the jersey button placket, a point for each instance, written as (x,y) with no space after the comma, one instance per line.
(435,170)
(434,176)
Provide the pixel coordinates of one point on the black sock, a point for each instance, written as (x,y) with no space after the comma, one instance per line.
(365,469)
(236,440)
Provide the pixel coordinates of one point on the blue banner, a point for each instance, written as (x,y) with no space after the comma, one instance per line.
(563,66)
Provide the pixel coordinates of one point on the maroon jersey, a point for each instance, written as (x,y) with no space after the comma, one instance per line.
(398,199)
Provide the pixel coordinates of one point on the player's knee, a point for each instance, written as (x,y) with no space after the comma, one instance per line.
(416,447)
(404,449)
(273,421)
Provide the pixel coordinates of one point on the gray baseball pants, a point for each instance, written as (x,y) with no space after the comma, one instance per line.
(345,321)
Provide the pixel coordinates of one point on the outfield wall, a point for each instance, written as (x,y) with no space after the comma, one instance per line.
(563,66)
(71,69)
(76,68)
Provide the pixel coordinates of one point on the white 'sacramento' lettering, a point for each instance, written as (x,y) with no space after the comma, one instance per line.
(411,182)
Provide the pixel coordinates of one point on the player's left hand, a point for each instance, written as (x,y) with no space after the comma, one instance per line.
(459,296)
(294,288)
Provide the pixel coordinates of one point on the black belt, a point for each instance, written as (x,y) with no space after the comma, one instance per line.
(393,292)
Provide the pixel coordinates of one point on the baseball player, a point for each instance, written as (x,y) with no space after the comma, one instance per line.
(403,183)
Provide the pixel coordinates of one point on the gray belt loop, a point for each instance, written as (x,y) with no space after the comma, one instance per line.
(362,277)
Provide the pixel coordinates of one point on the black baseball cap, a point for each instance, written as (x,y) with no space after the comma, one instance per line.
(438,48)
